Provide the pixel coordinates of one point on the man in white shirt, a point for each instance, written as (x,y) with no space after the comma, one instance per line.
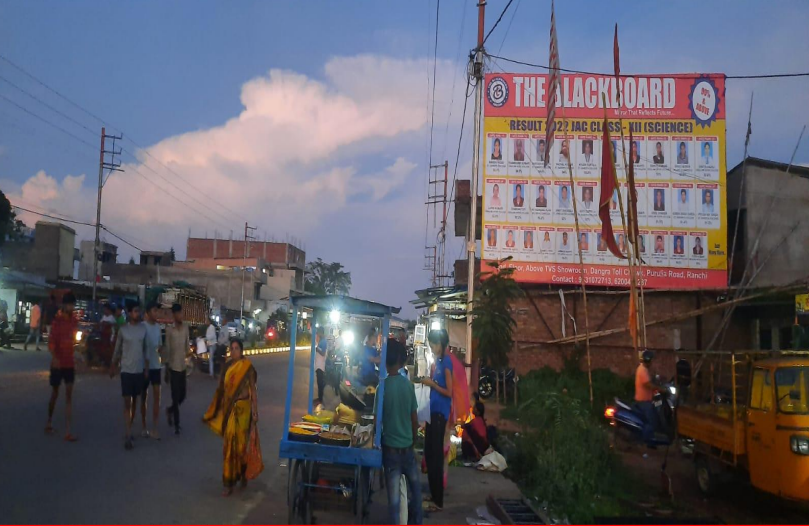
(707,202)
(546,242)
(321,346)
(210,342)
(564,197)
(682,202)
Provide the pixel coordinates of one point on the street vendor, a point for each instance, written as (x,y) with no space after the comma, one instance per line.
(370,360)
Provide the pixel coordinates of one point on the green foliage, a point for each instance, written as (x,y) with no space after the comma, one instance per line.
(327,278)
(493,325)
(172,255)
(563,457)
(10,226)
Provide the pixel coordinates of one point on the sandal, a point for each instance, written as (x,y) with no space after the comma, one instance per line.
(430,507)
(227,492)
(71,438)
(144,434)
(50,430)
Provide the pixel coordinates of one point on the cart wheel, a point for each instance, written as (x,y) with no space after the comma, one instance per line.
(296,493)
(705,477)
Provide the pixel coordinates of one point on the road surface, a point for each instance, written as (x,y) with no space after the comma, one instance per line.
(175,480)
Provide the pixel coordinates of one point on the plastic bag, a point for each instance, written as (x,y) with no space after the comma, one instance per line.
(494,461)
(423,400)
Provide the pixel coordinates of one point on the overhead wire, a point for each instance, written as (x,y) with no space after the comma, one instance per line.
(497,22)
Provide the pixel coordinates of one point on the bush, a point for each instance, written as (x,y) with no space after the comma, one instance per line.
(564,457)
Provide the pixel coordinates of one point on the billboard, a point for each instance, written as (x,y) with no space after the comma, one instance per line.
(678,127)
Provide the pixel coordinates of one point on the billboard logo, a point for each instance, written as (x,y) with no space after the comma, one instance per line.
(704,101)
(497,92)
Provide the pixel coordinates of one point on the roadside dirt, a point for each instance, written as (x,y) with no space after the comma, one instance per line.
(735,502)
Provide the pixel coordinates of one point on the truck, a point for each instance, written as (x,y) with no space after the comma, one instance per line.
(748,413)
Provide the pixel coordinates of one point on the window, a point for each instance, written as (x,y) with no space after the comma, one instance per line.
(785,338)
(761,391)
(792,386)
(765,339)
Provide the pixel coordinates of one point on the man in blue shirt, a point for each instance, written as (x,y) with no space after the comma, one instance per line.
(370,359)
(154,342)
(440,384)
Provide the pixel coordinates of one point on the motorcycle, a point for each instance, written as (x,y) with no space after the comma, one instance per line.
(487,381)
(627,421)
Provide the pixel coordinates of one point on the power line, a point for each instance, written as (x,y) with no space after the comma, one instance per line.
(497,22)
(454,80)
(113,234)
(99,119)
(49,216)
(435,66)
(46,121)
(508,28)
(612,74)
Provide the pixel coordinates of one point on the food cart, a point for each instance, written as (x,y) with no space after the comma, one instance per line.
(322,474)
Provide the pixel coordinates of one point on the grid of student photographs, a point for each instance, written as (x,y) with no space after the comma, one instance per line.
(528,207)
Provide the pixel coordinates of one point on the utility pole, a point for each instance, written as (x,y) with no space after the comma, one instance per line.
(247,238)
(437,194)
(477,72)
(112,166)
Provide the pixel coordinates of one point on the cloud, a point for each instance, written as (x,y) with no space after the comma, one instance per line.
(303,156)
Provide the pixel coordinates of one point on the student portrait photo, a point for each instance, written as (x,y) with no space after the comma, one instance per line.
(682,200)
(564,197)
(658,157)
(587,198)
(564,151)
(707,202)
(491,237)
(519,149)
(706,154)
(698,250)
(547,244)
(587,151)
(660,246)
(565,242)
(660,200)
(519,200)
(621,242)
(540,151)
(496,202)
(584,243)
(602,245)
(682,153)
(542,200)
(510,239)
(678,245)
(528,240)
(634,149)
(642,243)
(497,150)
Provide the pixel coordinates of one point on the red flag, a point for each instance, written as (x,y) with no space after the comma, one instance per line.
(607,189)
(553,62)
(615,54)
(633,194)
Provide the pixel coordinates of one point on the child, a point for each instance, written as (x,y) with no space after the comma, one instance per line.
(474,442)
(399,430)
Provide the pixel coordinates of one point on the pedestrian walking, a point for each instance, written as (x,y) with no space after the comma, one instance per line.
(60,344)
(440,384)
(130,358)
(223,340)
(154,344)
(233,414)
(34,331)
(49,313)
(210,342)
(320,363)
(176,351)
(400,427)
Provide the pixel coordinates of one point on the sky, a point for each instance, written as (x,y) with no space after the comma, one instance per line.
(313,119)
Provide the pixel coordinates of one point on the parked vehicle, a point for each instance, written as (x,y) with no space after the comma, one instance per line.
(487,382)
(627,421)
(763,432)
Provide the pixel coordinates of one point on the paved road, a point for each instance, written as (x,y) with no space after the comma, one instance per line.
(176,480)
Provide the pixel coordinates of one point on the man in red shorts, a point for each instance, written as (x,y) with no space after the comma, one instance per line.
(60,343)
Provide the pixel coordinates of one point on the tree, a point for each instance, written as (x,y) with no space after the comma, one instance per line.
(131,260)
(172,255)
(10,226)
(493,325)
(327,278)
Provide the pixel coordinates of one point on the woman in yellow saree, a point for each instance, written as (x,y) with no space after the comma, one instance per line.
(233,414)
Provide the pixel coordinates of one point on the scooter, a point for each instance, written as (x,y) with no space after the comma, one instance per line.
(627,421)
(488,380)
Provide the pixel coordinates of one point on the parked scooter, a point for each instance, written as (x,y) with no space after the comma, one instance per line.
(488,380)
(627,421)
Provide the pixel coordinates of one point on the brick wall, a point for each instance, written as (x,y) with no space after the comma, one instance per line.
(278,253)
(539,319)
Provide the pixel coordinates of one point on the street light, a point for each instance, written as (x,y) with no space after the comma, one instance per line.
(334,316)
(435,325)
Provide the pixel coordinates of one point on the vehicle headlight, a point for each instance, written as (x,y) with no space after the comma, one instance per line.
(799,444)
(672,390)
(78,336)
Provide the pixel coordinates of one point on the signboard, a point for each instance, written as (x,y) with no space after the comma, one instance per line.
(802,304)
(678,127)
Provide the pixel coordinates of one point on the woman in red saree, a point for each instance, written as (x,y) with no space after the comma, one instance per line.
(233,414)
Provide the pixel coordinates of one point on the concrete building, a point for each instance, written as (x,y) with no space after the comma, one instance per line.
(108,256)
(155,258)
(50,254)
(772,207)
